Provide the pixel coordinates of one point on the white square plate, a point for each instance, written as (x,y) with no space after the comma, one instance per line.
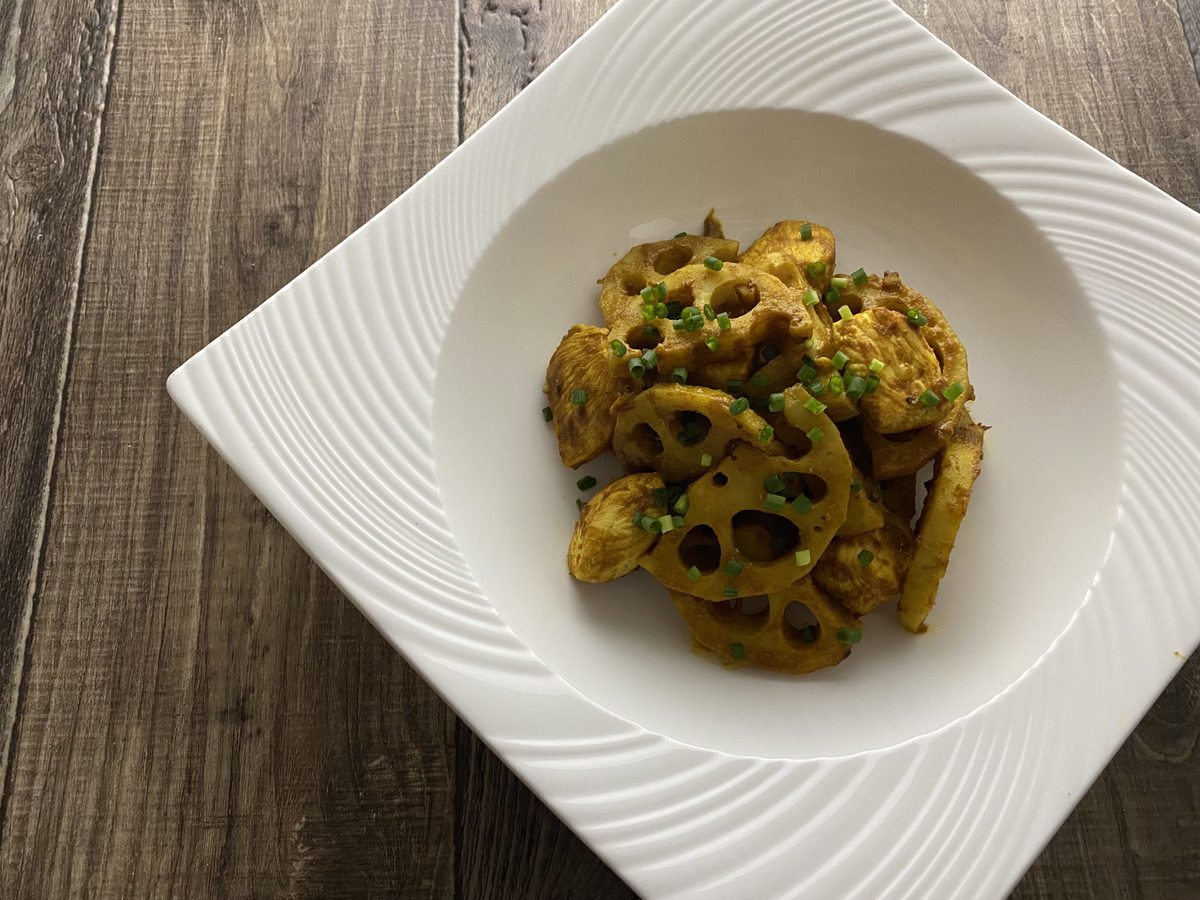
(384,406)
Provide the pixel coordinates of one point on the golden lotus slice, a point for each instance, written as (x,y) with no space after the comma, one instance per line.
(759,632)
(865,511)
(937,529)
(606,544)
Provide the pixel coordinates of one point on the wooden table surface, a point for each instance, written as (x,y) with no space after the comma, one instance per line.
(188,706)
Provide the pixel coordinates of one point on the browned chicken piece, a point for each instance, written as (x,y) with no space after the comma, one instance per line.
(865,510)
(606,544)
(584,362)
(943,512)
(863,571)
(799,263)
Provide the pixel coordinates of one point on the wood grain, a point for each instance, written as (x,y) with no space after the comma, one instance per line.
(203,714)
(1189,16)
(53,76)
(200,712)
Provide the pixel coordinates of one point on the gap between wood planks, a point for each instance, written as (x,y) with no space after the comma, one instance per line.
(11,714)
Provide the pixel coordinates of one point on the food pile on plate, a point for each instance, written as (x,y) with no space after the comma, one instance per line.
(772,416)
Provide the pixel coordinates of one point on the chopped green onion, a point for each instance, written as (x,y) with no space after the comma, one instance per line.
(637,518)
(767,434)
(650,358)
(769,352)
(814,434)
(711,262)
(801,504)
(806,232)
(586,482)
(706,459)
(677,521)
(865,557)
(618,349)
(775,403)
(712,344)
(693,574)
(814,406)
(739,406)
(916,317)
(759,380)
(816,269)
(841,282)
(836,384)
(929,398)
(806,373)
(651,332)
(855,484)
(660,290)
(856,387)
(816,388)
(808,633)
(774,484)
(648,295)
(849,635)
(679,375)
(651,524)
(579,397)
(731,591)
(803,557)
(681,234)
(637,368)
(832,296)
(660,310)
(547,413)
(579,504)
(666,523)
(733,568)
(648,312)
(708,312)
(737,651)
(844,313)
(811,297)
(681,325)
(953,392)
(775,502)
(859,277)
(681,505)
(876,366)
(872,383)
(723,321)
(839,360)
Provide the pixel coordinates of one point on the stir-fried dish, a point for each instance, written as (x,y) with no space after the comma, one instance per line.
(772,415)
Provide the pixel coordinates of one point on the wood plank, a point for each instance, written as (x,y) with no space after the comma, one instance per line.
(1189,15)
(53,74)
(204,714)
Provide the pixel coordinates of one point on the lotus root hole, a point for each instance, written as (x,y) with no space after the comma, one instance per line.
(742,611)
(800,625)
(632,287)
(638,339)
(671,258)
(902,437)
(695,426)
(796,483)
(647,440)
(701,548)
(735,298)
(720,479)
(764,537)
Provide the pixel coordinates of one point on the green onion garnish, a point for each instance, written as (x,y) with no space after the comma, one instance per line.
(651,332)
(637,518)
(660,290)
(737,651)
(648,295)
(579,504)
(767,434)
(811,297)
(775,403)
(859,277)
(618,349)
(693,574)
(856,387)
(803,557)
(832,296)
(814,406)
(651,524)
(666,523)
(814,434)
(775,502)
(929,398)
(849,635)
(711,262)
(648,312)
(706,459)
(773,484)
(816,388)
(679,375)
(801,504)
(585,483)
(806,373)
(731,591)
(872,383)
(836,384)
(953,392)
(637,368)
(660,310)
(681,234)
(547,413)
(723,321)
(650,358)
(681,505)
(808,633)
(816,269)
(677,520)
(865,557)
(733,568)
(844,312)
(759,380)
(579,397)
(839,360)
(806,232)
(855,484)
(916,317)
(739,406)
(712,344)
(841,282)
